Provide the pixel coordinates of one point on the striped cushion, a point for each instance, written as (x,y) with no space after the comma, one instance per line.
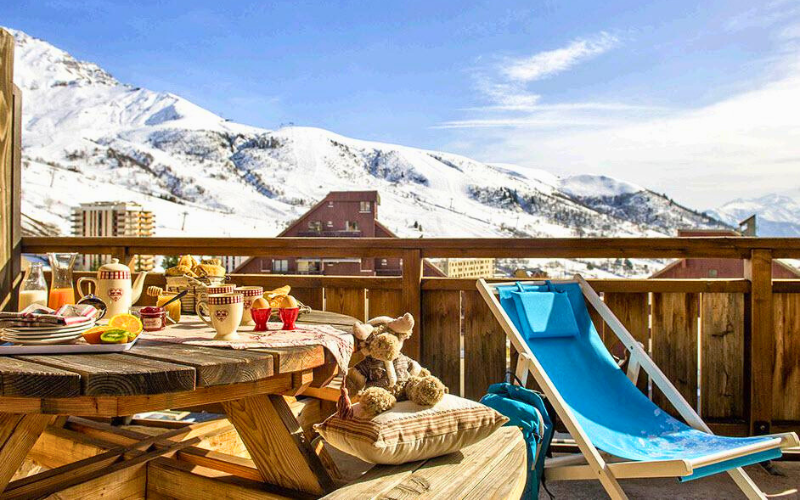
(410,432)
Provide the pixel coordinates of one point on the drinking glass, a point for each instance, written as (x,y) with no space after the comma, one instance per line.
(61,288)
(34,288)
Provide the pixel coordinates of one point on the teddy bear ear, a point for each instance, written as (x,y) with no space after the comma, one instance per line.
(361,331)
(403,324)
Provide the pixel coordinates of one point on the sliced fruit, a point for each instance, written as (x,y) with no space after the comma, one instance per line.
(127,322)
(115,336)
(92,335)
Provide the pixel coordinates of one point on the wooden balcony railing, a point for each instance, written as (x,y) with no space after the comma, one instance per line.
(732,346)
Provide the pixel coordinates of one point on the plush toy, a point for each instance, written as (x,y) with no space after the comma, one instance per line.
(386,375)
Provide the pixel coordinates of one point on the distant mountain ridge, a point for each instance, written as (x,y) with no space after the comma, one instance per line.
(93,138)
(778,213)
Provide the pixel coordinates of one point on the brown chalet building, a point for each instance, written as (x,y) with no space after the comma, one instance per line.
(341,214)
(716,268)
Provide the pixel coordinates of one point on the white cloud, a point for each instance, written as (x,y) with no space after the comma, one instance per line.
(549,63)
(504,83)
(743,145)
(508,96)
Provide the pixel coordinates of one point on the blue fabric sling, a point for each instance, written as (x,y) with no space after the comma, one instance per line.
(618,417)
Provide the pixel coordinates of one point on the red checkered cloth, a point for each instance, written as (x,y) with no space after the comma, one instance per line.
(39,315)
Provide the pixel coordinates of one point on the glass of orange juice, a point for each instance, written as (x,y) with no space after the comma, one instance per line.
(61,290)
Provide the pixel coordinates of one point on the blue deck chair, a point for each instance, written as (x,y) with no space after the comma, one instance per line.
(620,432)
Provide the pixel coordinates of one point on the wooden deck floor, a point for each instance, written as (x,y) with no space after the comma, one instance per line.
(783,487)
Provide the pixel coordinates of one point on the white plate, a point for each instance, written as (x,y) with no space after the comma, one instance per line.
(85,324)
(7,335)
(31,331)
(66,340)
(76,348)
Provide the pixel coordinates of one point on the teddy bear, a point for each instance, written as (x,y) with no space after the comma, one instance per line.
(386,375)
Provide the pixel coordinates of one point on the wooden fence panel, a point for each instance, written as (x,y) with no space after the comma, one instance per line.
(386,303)
(484,347)
(350,301)
(441,336)
(786,379)
(675,343)
(722,355)
(633,311)
(312,297)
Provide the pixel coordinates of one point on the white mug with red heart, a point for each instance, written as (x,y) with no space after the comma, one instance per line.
(225,311)
(250,293)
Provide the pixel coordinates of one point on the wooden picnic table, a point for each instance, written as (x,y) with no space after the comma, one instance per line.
(156,375)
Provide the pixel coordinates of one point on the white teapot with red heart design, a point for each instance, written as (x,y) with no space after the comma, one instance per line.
(113,287)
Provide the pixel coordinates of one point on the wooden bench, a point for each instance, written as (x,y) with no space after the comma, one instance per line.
(494,468)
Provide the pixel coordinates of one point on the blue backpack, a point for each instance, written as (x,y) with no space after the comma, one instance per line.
(525,409)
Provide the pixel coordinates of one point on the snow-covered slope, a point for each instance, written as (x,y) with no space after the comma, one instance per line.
(88,137)
(633,203)
(778,214)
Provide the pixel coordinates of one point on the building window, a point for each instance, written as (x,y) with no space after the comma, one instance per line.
(366,207)
(712,273)
(351,226)
(280,266)
(330,204)
(330,223)
(266,265)
(315,226)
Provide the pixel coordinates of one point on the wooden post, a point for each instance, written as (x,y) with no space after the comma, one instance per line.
(760,340)
(412,298)
(7,220)
(277,445)
(16,199)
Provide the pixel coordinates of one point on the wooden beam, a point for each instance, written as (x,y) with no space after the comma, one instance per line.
(277,445)
(412,298)
(616,285)
(176,480)
(760,340)
(16,199)
(57,447)
(719,247)
(7,219)
(18,434)
(110,406)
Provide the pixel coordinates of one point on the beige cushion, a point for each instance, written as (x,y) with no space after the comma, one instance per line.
(410,432)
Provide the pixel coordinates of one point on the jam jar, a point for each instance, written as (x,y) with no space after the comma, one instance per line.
(153,318)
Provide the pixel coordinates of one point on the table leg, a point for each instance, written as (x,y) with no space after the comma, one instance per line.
(18,434)
(277,445)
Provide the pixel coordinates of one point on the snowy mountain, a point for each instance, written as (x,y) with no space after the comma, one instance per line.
(88,137)
(778,213)
(627,201)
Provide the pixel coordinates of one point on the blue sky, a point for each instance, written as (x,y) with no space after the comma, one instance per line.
(674,95)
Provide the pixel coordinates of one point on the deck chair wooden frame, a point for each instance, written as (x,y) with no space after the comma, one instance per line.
(591,463)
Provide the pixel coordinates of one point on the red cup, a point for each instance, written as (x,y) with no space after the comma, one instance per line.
(288,315)
(261,317)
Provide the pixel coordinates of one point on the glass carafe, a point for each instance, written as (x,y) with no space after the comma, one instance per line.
(33,289)
(61,289)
